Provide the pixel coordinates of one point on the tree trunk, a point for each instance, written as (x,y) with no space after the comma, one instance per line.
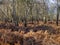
(57,16)
(15,18)
(25,23)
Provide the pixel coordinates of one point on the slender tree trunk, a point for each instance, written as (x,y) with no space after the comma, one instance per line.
(15,18)
(44,13)
(31,13)
(57,14)
(25,23)
(37,16)
(57,17)
(25,16)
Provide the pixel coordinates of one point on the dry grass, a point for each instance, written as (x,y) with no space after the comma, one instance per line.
(38,38)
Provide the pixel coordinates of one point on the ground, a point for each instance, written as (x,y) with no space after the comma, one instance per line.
(39,34)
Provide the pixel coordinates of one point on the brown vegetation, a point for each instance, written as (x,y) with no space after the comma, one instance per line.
(45,35)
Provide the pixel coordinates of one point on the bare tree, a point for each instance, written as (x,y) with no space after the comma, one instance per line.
(57,14)
(14,16)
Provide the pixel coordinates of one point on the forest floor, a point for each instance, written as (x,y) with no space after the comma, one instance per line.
(37,34)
